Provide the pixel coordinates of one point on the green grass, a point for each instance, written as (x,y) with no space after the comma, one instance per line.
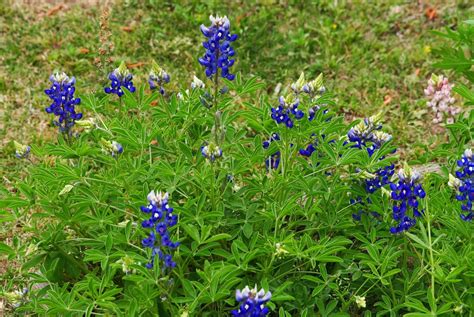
(365,52)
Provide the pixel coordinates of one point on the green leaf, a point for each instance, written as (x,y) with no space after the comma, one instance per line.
(217,237)
(5,249)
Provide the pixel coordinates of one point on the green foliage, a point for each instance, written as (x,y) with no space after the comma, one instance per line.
(289,230)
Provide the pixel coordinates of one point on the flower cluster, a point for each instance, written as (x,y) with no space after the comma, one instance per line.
(465,184)
(252,302)
(298,85)
(218,49)
(64,103)
(405,195)
(120,78)
(367,135)
(161,218)
(113,148)
(287,111)
(158,78)
(309,150)
(211,151)
(273,160)
(16,298)
(381,178)
(21,150)
(440,100)
(362,134)
(315,88)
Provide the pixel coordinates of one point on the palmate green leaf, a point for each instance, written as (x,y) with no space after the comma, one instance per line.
(465,92)
(250,86)
(217,237)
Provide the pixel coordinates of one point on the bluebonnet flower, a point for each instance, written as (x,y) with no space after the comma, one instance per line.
(367,135)
(211,151)
(298,86)
(113,148)
(315,88)
(273,160)
(218,49)
(313,110)
(287,111)
(64,103)
(252,302)
(197,83)
(21,151)
(381,178)
(464,183)
(120,78)
(405,195)
(363,133)
(310,148)
(161,219)
(158,78)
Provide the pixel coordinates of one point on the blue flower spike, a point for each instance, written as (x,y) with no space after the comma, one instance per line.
(120,78)
(287,111)
(464,184)
(405,195)
(158,78)
(160,220)
(364,132)
(273,161)
(219,52)
(64,102)
(252,302)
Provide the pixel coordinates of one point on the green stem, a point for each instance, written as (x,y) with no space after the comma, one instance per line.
(70,258)
(428,216)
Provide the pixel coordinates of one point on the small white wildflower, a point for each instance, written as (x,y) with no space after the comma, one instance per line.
(360,301)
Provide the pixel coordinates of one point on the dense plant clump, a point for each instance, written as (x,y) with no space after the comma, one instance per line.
(287,196)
